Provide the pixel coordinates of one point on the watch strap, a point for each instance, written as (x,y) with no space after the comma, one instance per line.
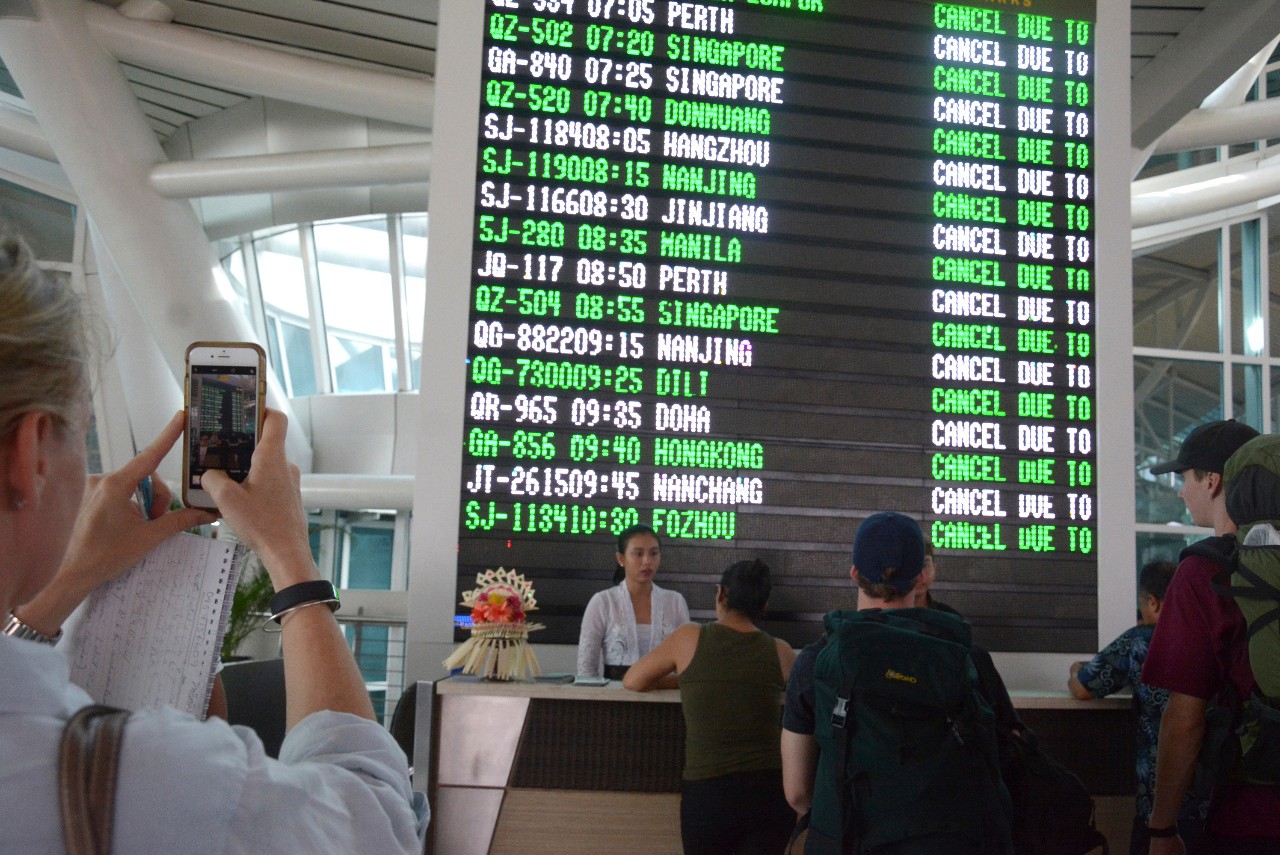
(319,591)
(15,627)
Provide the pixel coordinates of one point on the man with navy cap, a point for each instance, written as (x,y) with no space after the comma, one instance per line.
(888,555)
(1199,653)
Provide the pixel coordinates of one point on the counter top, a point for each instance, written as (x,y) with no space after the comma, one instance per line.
(614,691)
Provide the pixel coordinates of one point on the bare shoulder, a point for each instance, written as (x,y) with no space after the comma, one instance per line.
(786,656)
(688,633)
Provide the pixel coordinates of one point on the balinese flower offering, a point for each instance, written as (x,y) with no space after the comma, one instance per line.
(498,648)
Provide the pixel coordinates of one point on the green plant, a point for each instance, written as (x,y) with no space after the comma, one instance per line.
(248,606)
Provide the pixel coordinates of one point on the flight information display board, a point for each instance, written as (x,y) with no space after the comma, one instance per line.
(748,272)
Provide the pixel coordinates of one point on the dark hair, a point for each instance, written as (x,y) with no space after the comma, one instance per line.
(1155,577)
(624,537)
(746,586)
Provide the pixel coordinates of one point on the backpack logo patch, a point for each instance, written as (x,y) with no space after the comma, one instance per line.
(891,674)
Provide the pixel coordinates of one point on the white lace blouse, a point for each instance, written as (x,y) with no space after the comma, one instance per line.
(608,634)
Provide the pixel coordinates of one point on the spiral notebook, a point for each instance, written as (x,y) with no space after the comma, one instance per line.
(151,637)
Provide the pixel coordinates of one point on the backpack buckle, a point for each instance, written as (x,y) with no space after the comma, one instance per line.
(841,712)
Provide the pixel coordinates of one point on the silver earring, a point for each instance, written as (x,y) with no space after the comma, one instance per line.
(19,504)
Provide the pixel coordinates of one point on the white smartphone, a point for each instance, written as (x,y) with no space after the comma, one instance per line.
(226,391)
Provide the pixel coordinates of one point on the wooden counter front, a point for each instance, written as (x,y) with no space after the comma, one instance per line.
(541,767)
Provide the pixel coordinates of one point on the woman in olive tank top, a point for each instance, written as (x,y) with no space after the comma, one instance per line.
(731,678)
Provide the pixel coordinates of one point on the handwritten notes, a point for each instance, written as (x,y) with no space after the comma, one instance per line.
(151,637)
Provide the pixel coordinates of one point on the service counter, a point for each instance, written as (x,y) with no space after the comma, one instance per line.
(540,767)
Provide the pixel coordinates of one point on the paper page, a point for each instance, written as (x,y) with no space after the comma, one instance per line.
(151,637)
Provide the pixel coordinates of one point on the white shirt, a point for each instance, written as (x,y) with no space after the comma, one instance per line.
(341,784)
(608,634)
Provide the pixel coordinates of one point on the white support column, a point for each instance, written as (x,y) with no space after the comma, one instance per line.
(151,393)
(102,140)
(399,305)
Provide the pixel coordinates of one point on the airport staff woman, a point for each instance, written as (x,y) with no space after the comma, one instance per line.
(731,677)
(184,785)
(628,620)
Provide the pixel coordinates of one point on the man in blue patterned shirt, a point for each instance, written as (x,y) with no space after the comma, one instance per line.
(1119,666)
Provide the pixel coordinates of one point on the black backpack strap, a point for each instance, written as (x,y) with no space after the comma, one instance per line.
(1220,548)
(842,728)
(1259,589)
(88,763)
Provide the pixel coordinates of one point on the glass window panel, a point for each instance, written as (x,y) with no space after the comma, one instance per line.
(369,562)
(299,361)
(47,224)
(235,276)
(1170,398)
(1248,334)
(1159,546)
(288,315)
(8,85)
(355,278)
(324,534)
(369,545)
(369,644)
(313,537)
(1246,395)
(358,366)
(414,232)
(1275,400)
(233,266)
(355,285)
(284,289)
(277,363)
(1272,265)
(1175,296)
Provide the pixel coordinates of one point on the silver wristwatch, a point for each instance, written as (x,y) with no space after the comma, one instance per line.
(15,627)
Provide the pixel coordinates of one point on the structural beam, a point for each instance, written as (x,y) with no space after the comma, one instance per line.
(1251,179)
(268,173)
(1208,128)
(251,69)
(1225,35)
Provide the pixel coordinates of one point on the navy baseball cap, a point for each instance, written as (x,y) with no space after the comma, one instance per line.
(889,540)
(1207,447)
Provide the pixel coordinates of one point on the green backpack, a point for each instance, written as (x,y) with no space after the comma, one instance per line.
(1251,577)
(908,760)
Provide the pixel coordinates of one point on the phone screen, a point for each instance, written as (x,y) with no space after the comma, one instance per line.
(222,420)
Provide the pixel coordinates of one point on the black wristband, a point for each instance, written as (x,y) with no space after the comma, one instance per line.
(1167,831)
(319,591)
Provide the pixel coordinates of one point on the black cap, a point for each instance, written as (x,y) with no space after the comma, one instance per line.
(1207,447)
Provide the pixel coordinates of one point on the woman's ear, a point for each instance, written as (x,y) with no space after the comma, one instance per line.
(24,458)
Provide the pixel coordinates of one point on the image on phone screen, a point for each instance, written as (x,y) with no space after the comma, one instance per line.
(222,420)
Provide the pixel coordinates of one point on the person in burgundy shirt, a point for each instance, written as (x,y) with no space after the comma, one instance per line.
(1198,650)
